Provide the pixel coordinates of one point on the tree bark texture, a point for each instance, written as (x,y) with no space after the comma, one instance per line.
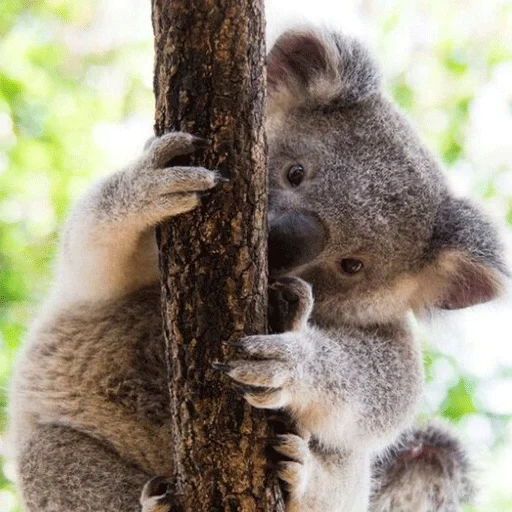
(209,81)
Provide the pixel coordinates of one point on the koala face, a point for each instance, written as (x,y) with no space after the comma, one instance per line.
(357,204)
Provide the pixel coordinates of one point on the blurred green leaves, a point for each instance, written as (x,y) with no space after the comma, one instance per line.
(459,400)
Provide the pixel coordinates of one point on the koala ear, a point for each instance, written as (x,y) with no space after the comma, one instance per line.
(468,266)
(318,68)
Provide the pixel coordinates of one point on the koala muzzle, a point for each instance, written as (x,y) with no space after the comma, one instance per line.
(295,238)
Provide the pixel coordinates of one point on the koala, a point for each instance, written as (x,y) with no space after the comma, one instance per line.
(363,230)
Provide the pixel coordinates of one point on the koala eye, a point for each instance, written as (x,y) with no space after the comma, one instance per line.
(351,266)
(295,175)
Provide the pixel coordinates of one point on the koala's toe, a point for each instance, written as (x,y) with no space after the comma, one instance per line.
(165,149)
(293,447)
(269,374)
(264,398)
(294,476)
(265,347)
(170,205)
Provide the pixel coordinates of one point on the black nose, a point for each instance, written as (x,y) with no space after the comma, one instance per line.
(294,239)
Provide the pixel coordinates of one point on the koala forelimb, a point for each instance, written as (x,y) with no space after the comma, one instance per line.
(108,247)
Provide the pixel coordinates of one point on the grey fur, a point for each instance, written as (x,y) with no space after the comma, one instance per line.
(89,407)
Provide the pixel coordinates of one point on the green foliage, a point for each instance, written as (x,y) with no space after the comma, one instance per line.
(459,400)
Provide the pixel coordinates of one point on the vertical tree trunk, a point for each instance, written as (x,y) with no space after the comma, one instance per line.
(209,81)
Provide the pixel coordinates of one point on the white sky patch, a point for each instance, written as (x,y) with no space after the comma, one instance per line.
(282,14)
(490,127)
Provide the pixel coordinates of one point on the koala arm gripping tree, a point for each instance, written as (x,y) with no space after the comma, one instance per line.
(108,248)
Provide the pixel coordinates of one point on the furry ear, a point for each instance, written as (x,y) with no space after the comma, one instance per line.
(316,68)
(468,266)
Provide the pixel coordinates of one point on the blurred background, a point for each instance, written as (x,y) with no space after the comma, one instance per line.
(76,102)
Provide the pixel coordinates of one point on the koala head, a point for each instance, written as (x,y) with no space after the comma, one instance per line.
(358,207)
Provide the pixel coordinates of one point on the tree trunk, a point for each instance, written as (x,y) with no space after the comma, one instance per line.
(209,81)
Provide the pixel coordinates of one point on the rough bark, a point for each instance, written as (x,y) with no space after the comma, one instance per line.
(209,81)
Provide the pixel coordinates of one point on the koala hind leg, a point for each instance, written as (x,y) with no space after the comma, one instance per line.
(63,470)
(317,480)
(426,470)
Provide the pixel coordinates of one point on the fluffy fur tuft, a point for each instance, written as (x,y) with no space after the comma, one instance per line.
(425,469)
(317,69)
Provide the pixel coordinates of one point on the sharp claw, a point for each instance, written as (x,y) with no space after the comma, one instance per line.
(235,344)
(245,389)
(220,180)
(160,489)
(221,367)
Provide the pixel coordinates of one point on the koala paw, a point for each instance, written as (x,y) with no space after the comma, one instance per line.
(271,374)
(295,470)
(290,304)
(156,495)
(161,186)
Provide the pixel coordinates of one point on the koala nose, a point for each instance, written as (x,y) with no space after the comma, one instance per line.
(295,238)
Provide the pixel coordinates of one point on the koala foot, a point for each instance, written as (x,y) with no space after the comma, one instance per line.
(294,471)
(311,477)
(157,496)
(426,470)
(290,302)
